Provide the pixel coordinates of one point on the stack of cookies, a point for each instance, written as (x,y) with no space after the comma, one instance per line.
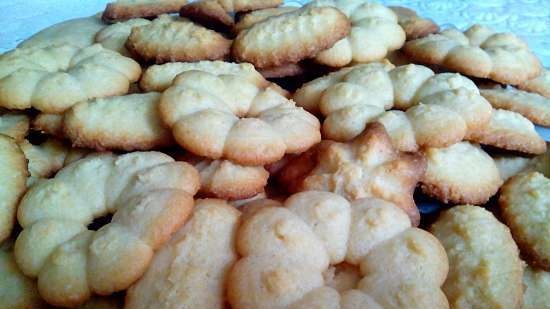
(243,154)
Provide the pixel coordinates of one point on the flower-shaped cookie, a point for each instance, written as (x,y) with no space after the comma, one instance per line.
(286,251)
(368,166)
(52,79)
(479,52)
(149,195)
(441,109)
(374,32)
(226,116)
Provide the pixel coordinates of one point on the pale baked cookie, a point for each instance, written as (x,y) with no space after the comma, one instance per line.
(441,109)
(525,206)
(537,285)
(51,124)
(150,196)
(168,39)
(478,52)
(531,105)
(130,122)
(257,16)
(539,84)
(248,5)
(160,77)
(190,271)
(52,79)
(510,131)
(287,249)
(227,180)
(367,166)
(226,116)
(126,9)
(114,36)
(208,13)
(374,32)
(414,26)
(13,175)
(14,125)
(290,37)
(510,165)
(484,266)
(78,32)
(460,174)
(45,159)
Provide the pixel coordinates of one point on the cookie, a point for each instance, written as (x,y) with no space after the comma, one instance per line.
(524,206)
(168,39)
(127,9)
(285,250)
(479,52)
(130,122)
(460,174)
(160,77)
(530,105)
(114,36)
(290,37)
(254,17)
(539,84)
(191,269)
(248,5)
(77,32)
(484,266)
(50,124)
(286,70)
(150,197)
(355,96)
(227,117)
(363,167)
(374,32)
(14,125)
(511,131)
(44,159)
(13,176)
(52,79)
(510,165)
(537,283)
(227,180)
(414,26)
(208,13)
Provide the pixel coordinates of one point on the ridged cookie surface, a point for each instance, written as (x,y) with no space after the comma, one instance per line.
(126,9)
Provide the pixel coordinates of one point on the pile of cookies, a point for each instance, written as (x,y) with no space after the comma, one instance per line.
(244,154)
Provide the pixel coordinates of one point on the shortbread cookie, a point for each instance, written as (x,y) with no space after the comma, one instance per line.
(257,16)
(290,37)
(248,5)
(44,159)
(478,52)
(13,177)
(525,206)
(374,32)
(227,180)
(126,9)
(190,271)
(168,39)
(52,79)
(539,84)
(460,174)
(354,96)
(114,37)
(285,251)
(531,105)
(414,26)
(208,13)
(150,197)
(130,122)
(485,270)
(368,166)
(510,165)
(537,285)
(510,131)
(14,125)
(51,124)
(160,77)
(77,32)
(225,116)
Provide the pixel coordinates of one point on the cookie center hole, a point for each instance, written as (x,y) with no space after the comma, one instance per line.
(99,222)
